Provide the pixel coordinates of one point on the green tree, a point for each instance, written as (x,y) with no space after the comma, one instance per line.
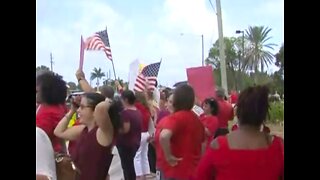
(42,68)
(280,60)
(111,82)
(233,60)
(72,85)
(258,54)
(97,74)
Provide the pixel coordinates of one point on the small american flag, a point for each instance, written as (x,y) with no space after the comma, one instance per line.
(99,42)
(148,74)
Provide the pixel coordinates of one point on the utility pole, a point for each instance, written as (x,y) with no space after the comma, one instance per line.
(51,62)
(202,50)
(221,48)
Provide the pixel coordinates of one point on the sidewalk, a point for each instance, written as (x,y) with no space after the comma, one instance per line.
(115,170)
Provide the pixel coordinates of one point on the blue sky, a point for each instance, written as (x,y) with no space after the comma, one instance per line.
(146,30)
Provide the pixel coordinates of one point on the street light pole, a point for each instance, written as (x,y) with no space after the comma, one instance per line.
(238,32)
(242,53)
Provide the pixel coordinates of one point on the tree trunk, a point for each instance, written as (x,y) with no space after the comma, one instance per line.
(98,85)
(256,74)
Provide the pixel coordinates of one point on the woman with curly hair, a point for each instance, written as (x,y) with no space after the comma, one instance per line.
(51,92)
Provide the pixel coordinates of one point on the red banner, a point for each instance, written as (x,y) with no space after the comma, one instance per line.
(202,81)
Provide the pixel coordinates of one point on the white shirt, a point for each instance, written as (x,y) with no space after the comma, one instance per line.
(45,163)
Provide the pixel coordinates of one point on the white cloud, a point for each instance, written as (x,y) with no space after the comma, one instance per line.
(192,17)
(188,16)
(272,8)
(64,42)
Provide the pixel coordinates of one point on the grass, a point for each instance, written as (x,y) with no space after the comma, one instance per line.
(276,129)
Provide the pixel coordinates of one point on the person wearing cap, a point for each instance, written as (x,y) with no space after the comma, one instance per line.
(225,113)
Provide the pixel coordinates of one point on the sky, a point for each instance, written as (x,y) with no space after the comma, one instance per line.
(147,30)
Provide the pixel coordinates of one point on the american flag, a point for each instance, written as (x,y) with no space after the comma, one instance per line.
(99,42)
(148,74)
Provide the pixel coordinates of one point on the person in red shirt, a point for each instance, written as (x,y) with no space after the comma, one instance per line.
(233,97)
(159,127)
(51,92)
(246,153)
(209,118)
(165,105)
(225,113)
(181,137)
(141,161)
(263,128)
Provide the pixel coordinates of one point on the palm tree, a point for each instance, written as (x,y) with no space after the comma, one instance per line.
(258,53)
(280,57)
(97,74)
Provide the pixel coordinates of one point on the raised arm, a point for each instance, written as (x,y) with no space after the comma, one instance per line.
(83,82)
(102,118)
(62,131)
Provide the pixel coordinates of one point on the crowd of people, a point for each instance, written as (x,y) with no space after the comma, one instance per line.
(164,137)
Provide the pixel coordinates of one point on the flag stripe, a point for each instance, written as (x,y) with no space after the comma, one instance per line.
(148,74)
(99,42)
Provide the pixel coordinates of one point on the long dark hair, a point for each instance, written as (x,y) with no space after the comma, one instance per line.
(114,113)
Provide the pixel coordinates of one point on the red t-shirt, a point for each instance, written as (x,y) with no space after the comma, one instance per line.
(146,115)
(211,123)
(185,143)
(229,164)
(225,113)
(47,118)
(234,98)
(159,152)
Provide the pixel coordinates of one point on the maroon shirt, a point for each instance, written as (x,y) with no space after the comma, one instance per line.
(92,159)
(133,137)
(162,114)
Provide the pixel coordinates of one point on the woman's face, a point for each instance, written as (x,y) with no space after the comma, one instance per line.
(206,108)
(85,111)
(170,104)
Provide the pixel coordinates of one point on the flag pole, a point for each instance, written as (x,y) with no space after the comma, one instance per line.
(114,71)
